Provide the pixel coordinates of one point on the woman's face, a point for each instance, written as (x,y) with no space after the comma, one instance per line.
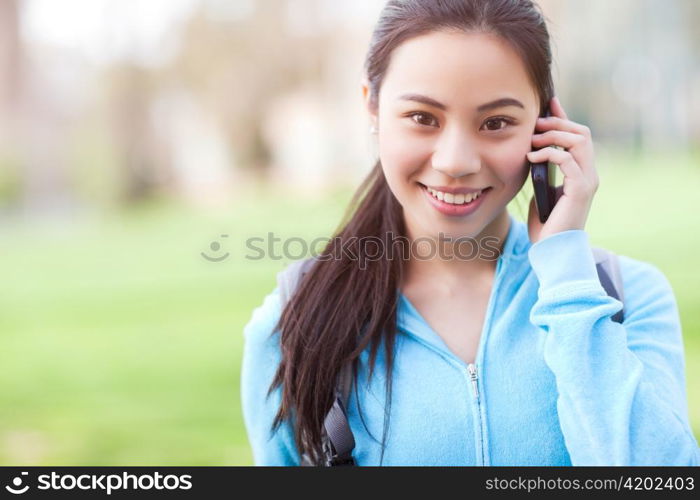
(457,142)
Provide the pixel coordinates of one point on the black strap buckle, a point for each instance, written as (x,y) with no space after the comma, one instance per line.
(340,461)
(332,459)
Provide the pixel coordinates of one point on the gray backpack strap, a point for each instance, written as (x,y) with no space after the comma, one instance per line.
(608,267)
(338,439)
(288,279)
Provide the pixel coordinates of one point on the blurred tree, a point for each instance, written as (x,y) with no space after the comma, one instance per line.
(691,18)
(32,131)
(236,66)
(10,57)
(10,85)
(130,92)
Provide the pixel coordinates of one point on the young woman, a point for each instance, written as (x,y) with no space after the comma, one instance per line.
(506,355)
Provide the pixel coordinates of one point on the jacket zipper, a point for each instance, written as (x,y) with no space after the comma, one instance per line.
(474,378)
(471,368)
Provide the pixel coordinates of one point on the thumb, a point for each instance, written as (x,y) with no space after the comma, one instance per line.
(534,226)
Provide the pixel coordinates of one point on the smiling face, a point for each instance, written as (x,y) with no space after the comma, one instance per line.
(456,141)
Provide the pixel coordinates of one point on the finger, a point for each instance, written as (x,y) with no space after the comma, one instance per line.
(562,158)
(575,144)
(556,105)
(556,123)
(566,140)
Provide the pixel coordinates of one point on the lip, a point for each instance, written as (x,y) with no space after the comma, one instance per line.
(455,210)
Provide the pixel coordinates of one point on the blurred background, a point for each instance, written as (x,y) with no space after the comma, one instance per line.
(143,141)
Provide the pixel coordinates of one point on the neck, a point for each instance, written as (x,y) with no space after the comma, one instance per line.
(457,267)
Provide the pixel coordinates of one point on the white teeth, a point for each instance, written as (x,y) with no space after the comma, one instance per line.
(455,199)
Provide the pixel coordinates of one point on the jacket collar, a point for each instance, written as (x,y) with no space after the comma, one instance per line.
(412,322)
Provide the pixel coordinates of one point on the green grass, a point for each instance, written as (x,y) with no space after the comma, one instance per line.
(121,345)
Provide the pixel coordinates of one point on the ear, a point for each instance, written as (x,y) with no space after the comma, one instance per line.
(365,98)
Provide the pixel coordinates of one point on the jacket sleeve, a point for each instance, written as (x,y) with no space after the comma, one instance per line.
(621,387)
(261,357)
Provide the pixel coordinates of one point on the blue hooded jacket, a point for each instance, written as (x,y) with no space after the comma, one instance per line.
(555,380)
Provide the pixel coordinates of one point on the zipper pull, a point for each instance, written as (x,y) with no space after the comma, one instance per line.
(473,377)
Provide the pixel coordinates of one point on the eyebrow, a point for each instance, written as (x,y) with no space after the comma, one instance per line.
(498,103)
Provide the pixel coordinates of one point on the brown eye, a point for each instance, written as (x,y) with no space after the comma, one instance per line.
(421,114)
(497,121)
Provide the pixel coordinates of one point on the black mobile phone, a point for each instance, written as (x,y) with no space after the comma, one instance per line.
(543,181)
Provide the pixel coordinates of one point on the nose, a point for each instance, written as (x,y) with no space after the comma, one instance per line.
(456,156)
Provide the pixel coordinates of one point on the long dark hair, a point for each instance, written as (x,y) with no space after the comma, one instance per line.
(340,308)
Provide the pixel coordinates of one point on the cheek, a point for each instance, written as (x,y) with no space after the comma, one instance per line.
(512,165)
(401,159)
(512,152)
